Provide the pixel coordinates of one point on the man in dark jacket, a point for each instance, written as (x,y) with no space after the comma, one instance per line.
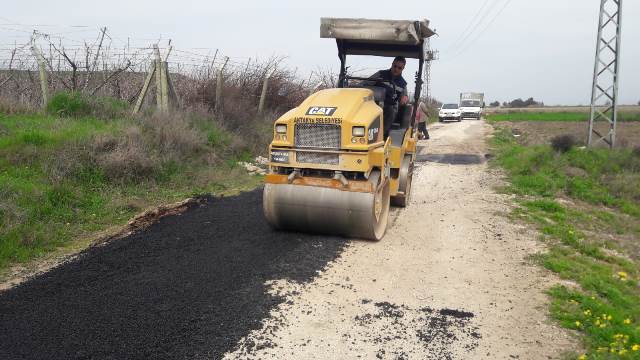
(396,93)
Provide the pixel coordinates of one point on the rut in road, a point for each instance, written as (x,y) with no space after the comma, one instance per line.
(190,286)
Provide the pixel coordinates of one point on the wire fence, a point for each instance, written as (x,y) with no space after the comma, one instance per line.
(96,62)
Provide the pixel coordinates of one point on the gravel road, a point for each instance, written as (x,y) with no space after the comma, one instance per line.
(451,280)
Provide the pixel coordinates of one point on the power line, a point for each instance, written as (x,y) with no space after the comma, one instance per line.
(469,24)
(481,32)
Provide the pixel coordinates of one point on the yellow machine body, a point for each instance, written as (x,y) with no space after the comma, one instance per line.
(331,170)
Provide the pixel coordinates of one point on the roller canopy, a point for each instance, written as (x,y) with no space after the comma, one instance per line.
(377,37)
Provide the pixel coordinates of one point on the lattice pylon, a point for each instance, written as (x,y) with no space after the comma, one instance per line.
(604,92)
(429,56)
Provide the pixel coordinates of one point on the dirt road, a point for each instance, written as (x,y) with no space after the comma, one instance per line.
(451,279)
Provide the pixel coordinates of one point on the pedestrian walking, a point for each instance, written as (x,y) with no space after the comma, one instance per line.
(422,117)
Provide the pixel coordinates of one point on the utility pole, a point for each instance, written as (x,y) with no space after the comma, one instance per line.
(604,92)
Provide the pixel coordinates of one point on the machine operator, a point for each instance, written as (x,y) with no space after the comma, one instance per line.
(396,98)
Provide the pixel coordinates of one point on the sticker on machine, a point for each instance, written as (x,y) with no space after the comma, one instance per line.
(280,156)
(321,110)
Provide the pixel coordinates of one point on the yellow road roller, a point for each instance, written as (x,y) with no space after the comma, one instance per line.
(332,168)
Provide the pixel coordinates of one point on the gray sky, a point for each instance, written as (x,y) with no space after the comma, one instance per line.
(541,48)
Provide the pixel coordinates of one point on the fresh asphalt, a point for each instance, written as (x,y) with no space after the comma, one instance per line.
(189,286)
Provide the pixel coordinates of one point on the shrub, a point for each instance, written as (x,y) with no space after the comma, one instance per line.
(105,107)
(75,104)
(174,136)
(34,137)
(563,143)
(72,104)
(125,159)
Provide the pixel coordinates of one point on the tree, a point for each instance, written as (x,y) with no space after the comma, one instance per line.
(519,103)
(495,104)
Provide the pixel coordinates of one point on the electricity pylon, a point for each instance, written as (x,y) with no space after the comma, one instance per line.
(604,93)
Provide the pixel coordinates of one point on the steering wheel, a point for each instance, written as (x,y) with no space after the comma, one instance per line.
(390,86)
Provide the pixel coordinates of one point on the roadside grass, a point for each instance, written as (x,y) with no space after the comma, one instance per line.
(555,116)
(586,204)
(66,178)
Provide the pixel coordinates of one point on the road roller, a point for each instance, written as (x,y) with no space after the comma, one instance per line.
(332,168)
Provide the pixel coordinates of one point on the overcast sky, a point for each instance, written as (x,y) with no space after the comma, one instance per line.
(517,48)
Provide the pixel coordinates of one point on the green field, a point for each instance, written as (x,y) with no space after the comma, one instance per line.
(586,204)
(555,116)
(65,179)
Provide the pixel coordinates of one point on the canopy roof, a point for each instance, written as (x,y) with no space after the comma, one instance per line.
(377,37)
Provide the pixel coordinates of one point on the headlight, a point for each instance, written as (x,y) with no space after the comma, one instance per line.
(281,128)
(357,131)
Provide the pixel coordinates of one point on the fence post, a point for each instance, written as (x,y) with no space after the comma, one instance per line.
(159,78)
(265,85)
(219,80)
(165,80)
(44,82)
(145,88)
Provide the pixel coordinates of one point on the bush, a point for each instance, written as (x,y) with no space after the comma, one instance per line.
(105,107)
(519,103)
(75,104)
(72,104)
(174,136)
(128,158)
(563,143)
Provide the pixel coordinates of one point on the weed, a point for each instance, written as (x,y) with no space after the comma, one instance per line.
(563,143)
(75,104)
(34,137)
(68,104)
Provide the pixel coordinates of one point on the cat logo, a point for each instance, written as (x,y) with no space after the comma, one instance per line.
(321,110)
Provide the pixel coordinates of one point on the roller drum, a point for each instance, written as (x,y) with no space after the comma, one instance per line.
(327,210)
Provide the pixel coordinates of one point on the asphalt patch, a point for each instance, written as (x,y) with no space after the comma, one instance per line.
(435,334)
(452,159)
(189,286)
